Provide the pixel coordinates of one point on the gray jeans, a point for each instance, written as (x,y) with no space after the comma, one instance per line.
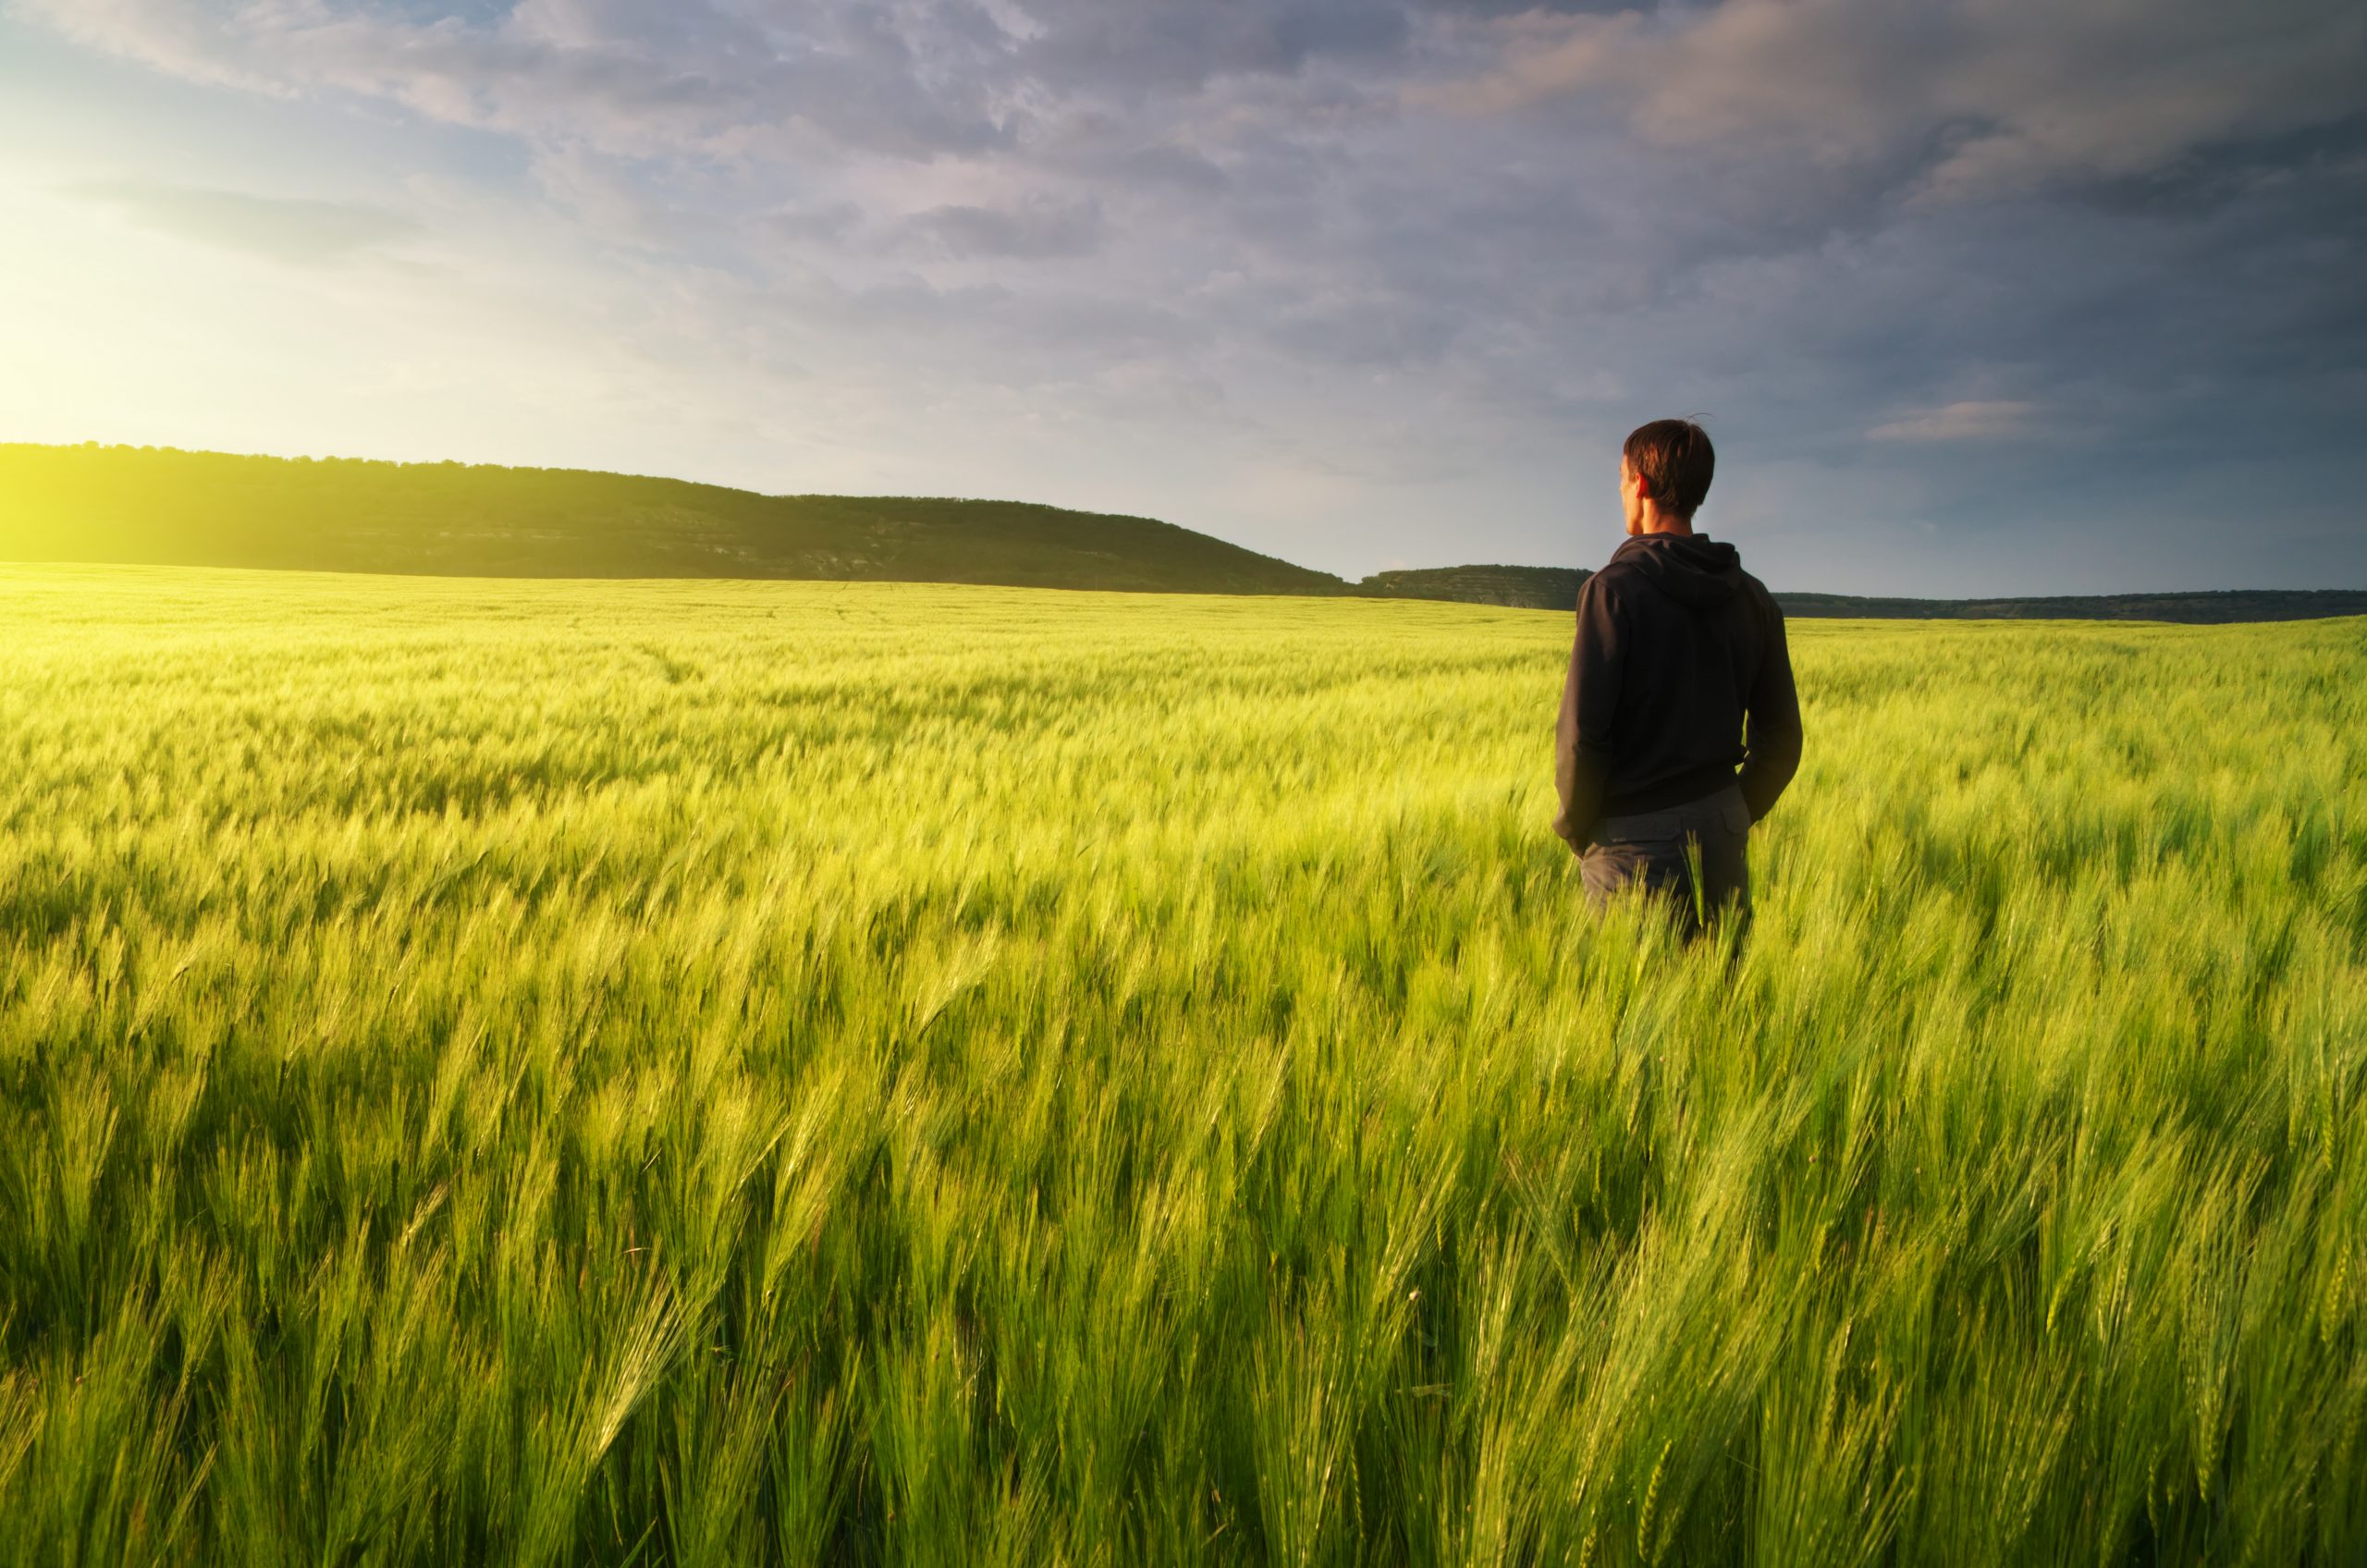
(1648,849)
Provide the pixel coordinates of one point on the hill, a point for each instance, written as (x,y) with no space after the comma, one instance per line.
(170,507)
(163,506)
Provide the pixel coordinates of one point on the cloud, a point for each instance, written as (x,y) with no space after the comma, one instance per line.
(1978,97)
(1958,421)
(1441,252)
(623,77)
(295,231)
(1036,229)
(1170,45)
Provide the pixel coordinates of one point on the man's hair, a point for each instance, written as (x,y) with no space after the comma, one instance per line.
(1674,458)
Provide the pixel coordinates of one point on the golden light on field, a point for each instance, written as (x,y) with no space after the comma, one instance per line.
(802,1062)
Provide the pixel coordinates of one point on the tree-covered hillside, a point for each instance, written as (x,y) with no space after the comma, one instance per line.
(1521,587)
(164,506)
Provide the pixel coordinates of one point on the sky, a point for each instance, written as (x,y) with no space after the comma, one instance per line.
(1974,297)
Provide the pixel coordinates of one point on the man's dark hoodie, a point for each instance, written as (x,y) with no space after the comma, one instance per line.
(1679,676)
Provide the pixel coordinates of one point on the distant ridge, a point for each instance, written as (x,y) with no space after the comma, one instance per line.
(2216,607)
(1518,587)
(164,506)
(1556,588)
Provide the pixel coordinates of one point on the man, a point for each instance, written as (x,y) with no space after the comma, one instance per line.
(1679,675)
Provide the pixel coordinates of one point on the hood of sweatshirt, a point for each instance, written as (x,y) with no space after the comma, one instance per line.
(1697,571)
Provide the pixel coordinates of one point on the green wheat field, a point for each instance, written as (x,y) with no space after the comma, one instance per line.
(698,1072)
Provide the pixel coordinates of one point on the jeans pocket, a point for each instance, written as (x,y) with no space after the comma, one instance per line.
(1734,816)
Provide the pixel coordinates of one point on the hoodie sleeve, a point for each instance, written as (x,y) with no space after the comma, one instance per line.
(1589,696)
(1772,716)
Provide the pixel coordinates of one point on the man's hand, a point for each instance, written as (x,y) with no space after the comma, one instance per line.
(1576,840)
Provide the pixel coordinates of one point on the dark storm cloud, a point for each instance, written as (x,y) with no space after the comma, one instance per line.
(1974,253)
